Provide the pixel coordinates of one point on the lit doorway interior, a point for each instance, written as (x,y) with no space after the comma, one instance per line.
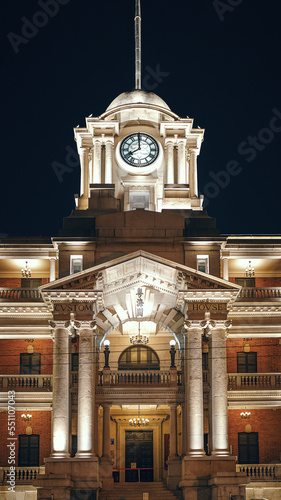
(139,454)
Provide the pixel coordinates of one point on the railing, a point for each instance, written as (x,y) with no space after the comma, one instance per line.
(260,293)
(20,294)
(133,378)
(251,381)
(26,382)
(22,474)
(259,472)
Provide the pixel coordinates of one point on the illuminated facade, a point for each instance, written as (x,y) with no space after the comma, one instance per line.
(140,349)
(140,256)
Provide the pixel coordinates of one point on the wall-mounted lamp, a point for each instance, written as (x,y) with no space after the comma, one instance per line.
(173,353)
(106,353)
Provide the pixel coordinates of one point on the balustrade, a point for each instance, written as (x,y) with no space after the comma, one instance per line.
(26,382)
(20,294)
(260,293)
(258,471)
(22,474)
(130,378)
(237,381)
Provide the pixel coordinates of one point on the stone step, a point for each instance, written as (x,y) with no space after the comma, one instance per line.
(129,491)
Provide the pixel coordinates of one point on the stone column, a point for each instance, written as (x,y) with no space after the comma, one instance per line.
(173,431)
(96,430)
(84,182)
(170,162)
(97,162)
(86,390)
(225,268)
(181,162)
(108,161)
(194,385)
(219,413)
(60,414)
(52,269)
(193,183)
(183,428)
(106,432)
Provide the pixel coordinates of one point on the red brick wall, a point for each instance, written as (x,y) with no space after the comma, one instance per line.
(40,423)
(268,354)
(10,351)
(16,282)
(264,282)
(10,282)
(267,424)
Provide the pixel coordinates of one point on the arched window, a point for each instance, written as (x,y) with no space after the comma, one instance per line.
(138,357)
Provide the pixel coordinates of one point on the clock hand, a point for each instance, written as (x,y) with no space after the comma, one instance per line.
(139,140)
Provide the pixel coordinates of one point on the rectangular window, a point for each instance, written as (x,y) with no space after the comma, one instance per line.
(203,263)
(74,362)
(248,448)
(31,282)
(246,362)
(28,450)
(76,264)
(30,364)
(246,282)
(73,445)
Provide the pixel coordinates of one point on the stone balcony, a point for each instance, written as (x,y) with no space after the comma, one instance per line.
(20,295)
(261,472)
(260,294)
(137,378)
(23,475)
(254,381)
(20,383)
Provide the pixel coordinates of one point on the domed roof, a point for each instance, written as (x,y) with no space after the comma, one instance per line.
(138,97)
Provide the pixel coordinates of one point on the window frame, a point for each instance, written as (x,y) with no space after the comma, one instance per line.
(203,258)
(248,446)
(30,366)
(247,355)
(129,365)
(28,463)
(72,259)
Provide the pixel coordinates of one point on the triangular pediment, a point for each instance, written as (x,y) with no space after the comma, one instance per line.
(141,265)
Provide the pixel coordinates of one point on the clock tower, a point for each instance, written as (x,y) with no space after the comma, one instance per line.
(138,154)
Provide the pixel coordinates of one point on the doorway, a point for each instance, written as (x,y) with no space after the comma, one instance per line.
(139,455)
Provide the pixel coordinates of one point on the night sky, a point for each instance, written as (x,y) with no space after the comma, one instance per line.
(215,61)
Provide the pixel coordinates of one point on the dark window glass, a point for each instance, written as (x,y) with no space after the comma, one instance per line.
(73,445)
(246,282)
(28,450)
(74,362)
(31,282)
(30,364)
(138,358)
(248,448)
(205,361)
(246,362)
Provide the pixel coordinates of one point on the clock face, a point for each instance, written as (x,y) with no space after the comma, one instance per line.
(139,150)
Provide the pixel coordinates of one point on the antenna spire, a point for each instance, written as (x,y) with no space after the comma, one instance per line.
(138,45)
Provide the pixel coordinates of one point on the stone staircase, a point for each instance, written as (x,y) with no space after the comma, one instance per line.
(134,491)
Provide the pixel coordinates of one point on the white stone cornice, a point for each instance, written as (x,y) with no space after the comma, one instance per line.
(16,311)
(254,399)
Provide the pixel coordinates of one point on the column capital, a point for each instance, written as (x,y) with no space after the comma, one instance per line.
(220,324)
(109,140)
(194,324)
(85,325)
(55,325)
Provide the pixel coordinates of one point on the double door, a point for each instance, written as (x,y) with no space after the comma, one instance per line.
(139,456)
